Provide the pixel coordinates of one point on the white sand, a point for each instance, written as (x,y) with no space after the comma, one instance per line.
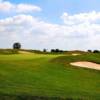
(86,64)
(75,54)
(25,52)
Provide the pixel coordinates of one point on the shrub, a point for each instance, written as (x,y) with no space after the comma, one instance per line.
(96,51)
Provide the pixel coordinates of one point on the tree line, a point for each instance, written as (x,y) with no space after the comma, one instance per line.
(17,45)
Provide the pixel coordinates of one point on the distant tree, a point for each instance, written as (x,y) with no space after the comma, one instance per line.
(44,50)
(90,51)
(57,50)
(96,51)
(16,45)
(52,50)
(61,51)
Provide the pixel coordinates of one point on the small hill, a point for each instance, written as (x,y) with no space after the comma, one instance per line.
(24,52)
(8,51)
(76,51)
(14,51)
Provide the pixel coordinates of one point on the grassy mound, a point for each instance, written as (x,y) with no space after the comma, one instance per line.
(20,51)
(8,51)
(83,57)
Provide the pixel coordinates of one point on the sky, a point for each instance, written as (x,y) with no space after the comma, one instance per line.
(39,24)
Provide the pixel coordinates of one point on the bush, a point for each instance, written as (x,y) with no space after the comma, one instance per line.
(44,50)
(96,51)
(90,51)
(56,51)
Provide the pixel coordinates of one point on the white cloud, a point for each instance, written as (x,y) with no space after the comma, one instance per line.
(80,31)
(6,6)
(91,17)
(27,8)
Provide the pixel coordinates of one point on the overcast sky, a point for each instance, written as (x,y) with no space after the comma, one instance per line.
(39,24)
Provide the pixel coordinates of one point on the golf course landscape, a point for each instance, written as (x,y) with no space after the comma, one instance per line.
(49,49)
(40,76)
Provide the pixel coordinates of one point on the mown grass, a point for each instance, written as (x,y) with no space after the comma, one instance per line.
(48,77)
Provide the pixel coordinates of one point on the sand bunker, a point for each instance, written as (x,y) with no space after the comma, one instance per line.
(25,52)
(86,64)
(75,54)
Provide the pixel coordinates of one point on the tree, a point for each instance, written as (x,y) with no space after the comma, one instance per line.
(44,50)
(90,51)
(52,50)
(16,45)
(56,51)
(96,51)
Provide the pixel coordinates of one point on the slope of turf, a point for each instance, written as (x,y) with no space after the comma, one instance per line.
(8,51)
(48,76)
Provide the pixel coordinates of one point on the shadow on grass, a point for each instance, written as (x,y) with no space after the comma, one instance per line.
(25,97)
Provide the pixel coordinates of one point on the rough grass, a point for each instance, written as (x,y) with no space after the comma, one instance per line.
(8,51)
(48,77)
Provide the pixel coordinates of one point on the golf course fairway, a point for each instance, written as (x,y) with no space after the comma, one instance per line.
(48,77)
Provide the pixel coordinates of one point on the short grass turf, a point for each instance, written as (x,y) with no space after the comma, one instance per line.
(48,76)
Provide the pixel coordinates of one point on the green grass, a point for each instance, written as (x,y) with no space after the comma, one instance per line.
(48,76)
